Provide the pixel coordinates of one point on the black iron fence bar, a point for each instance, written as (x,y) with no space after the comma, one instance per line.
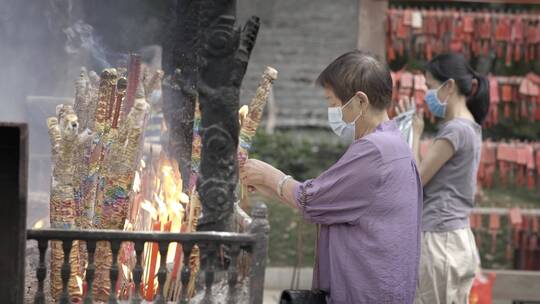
(212,239)
(128,236)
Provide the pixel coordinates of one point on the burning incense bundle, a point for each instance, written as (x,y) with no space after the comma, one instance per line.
(189,221)
(158,193)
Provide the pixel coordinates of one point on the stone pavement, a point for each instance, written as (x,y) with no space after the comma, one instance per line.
(271,296)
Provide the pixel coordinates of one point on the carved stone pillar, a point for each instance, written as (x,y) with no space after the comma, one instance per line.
(208,59)
(224,55)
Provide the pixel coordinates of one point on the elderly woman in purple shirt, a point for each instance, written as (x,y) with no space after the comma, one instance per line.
(368,204)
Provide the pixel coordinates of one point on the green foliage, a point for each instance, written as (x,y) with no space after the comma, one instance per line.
(493,251)
(508,129)
(303,155)
(286,227)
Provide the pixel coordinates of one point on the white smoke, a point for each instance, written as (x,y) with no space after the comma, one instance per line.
(80,36)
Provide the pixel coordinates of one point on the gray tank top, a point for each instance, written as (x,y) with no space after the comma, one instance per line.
(449,195)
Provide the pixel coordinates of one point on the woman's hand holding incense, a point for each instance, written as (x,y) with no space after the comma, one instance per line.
(265,179)
(255,172)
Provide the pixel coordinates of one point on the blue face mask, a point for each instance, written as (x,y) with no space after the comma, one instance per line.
(344,130)
(435,105)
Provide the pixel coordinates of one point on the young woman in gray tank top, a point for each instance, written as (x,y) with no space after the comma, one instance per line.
(449,257)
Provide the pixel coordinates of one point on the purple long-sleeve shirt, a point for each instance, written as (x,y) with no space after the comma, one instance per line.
(369,207)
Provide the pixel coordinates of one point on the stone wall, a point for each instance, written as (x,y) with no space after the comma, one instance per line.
(299,38)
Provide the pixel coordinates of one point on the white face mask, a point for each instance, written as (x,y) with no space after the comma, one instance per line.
(345,131)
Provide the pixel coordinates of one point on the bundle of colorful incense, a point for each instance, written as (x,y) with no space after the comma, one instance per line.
(94,158)
(100,147)
(63,131)
(85,104)
(119,171)
(93,171)
(196,148)
(86,99)
(195,203)
(251,121)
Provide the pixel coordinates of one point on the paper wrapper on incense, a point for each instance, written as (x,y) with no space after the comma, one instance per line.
(63,132)
(251,121)
(119,172)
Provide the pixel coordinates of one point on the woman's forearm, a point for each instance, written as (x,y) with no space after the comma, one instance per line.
(416,149)
(268,192)
(287,193)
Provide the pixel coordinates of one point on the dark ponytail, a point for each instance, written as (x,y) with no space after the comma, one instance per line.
(454,66)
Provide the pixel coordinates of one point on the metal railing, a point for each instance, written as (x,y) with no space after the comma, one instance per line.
(254,242)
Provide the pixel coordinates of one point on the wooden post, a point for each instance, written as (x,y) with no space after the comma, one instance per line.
(371,23)
(13,183)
